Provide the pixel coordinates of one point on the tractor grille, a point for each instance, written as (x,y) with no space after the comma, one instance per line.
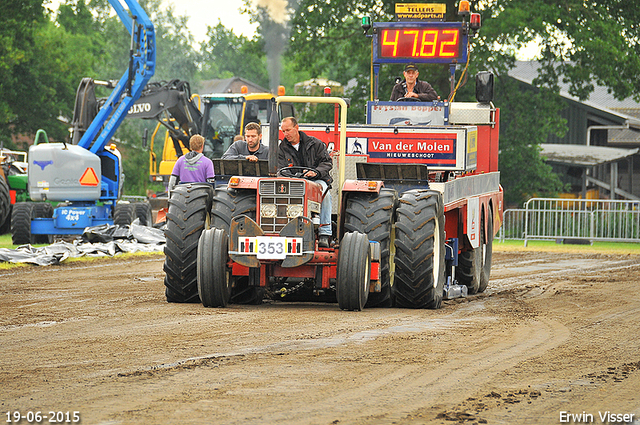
(280,193)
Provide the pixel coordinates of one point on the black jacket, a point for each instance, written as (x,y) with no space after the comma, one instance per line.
(313,153)
(423,89)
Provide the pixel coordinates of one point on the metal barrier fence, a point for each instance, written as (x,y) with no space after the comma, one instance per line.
(512,225)
(592,219)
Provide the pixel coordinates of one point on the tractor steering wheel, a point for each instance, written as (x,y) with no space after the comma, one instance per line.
(297,171)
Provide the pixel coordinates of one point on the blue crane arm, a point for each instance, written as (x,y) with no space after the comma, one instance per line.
(142,64)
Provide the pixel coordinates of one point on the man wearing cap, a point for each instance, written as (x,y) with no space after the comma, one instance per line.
(411,87)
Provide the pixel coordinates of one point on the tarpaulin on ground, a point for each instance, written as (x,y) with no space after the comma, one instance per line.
(98,241)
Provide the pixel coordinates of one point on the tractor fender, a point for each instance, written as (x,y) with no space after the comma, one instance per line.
(244,182)
(371,186)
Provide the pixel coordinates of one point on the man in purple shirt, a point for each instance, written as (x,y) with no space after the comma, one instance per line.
(194,166)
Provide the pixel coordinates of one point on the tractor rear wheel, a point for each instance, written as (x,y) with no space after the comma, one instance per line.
(354,270)
(372,214)
(21,223)
(214,277)
(486,243)
(143,213)
(229,203)
(42,210)
(123,214)
(187,217)
(419,261)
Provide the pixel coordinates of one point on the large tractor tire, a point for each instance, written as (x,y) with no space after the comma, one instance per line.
(486,243)
(229,203)
(142,211)
(187,217)
(420,250)
(372,214)
(214,276)
(354,271)
(123,214)
(42,210)
(5,201)
(21,223)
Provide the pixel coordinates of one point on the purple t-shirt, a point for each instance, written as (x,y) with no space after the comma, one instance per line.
(193,167)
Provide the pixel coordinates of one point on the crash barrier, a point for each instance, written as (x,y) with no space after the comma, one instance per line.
(575,219)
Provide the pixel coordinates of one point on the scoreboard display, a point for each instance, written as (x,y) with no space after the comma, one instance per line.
(428,42)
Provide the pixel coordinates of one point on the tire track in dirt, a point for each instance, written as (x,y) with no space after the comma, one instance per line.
(427,383)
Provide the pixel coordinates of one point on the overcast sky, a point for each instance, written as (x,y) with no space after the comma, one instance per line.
(206,12)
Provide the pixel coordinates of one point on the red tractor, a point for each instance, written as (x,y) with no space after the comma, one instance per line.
(256,233)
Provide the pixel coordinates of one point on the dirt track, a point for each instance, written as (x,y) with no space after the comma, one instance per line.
(553,333)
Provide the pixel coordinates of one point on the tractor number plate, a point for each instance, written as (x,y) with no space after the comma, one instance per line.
(270,247)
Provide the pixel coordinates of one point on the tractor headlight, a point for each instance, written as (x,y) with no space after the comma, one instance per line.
(295,210)
(268,210)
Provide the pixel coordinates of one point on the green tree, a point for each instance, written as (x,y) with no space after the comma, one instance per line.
(581,42)
(523,171)
(226,54)
(31,70)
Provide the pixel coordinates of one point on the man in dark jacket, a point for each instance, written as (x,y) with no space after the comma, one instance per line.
(250,147)
(300,149)
(411,87)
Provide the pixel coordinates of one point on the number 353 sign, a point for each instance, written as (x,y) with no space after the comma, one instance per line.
(269,247)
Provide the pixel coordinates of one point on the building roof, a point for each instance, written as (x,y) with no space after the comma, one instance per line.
(626,110)
(583,156)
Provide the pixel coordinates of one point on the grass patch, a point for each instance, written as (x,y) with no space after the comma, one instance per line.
(5,242)
(625,248)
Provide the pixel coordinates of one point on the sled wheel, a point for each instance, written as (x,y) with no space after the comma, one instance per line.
(486,242)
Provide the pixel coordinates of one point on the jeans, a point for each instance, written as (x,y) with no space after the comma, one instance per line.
(325,211)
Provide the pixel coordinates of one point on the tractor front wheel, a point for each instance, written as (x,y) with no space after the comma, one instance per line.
(354,269)
(214,277)
(372,214)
